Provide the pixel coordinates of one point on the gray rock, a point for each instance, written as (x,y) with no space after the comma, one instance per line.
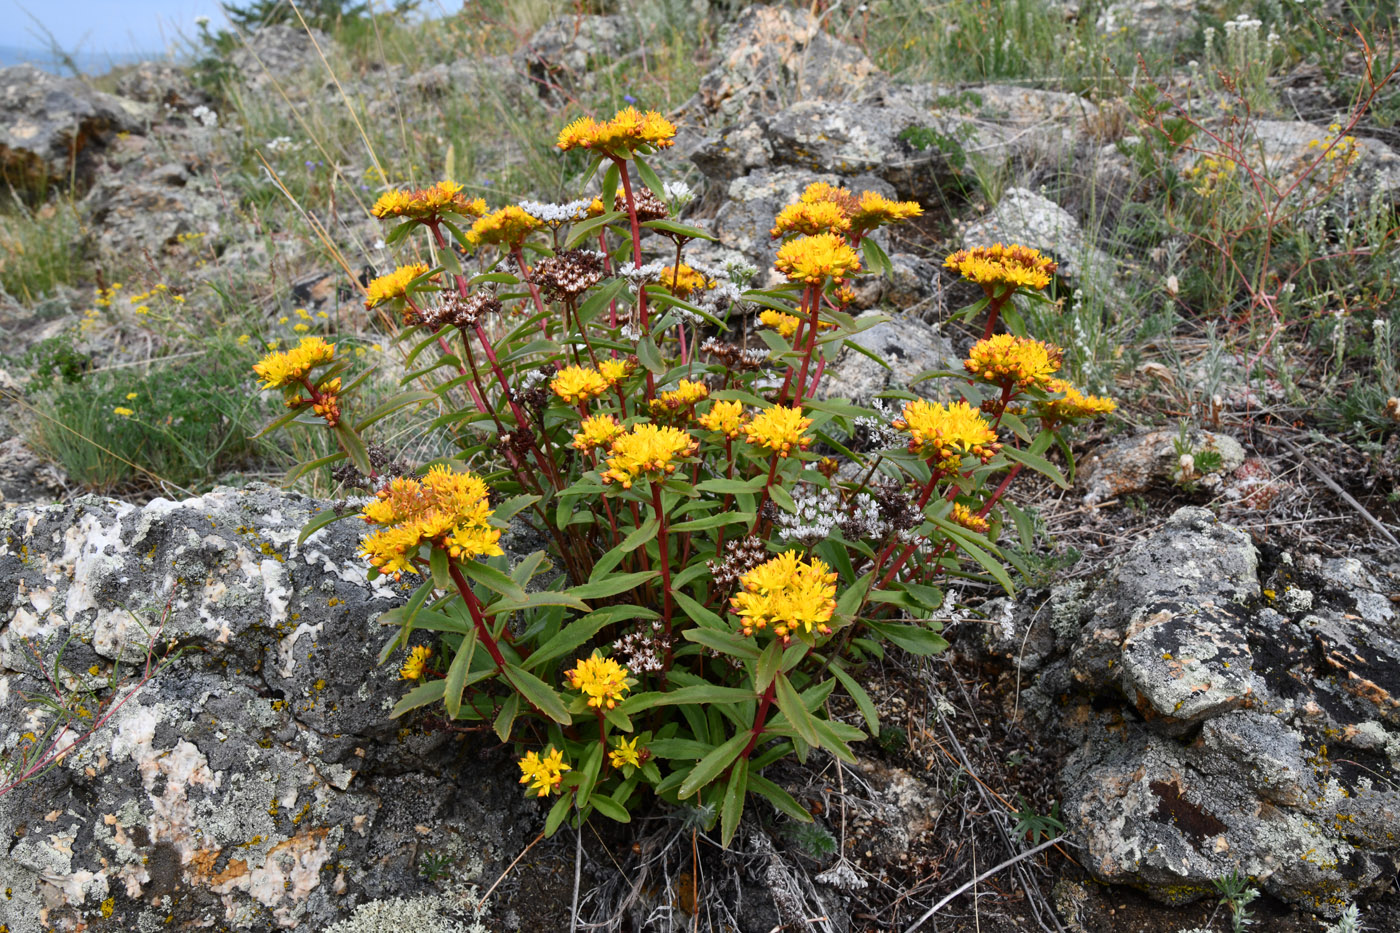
(280,52)
(560,51)
(1153,22)
(256,776)
(164,85)
(53,128)
(1032,220)
(1243,740)
(908,345)
(146,208)
(1133,464)
(1290,148)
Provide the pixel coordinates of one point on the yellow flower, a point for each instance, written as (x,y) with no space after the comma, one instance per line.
(811,218)
(1074,404)
(615,370)
(685,395)
(725,417)
(1011,361)
(779,429)
(446,509)
(814,259)
(874,210)
(786,592)
(301,328)
(417,661)
(598,431)
(785,324)
(625,752)
(628,131)
(304,314)
(997,266)
(962,515)
(132,395)
(685,282)
(124,412)
(647,448)
(394,285)
(544,775)
(243,339)
(576,384)
(507,227)
(947,434)
(819,191)
(443,198)
(292,366)
(601,679)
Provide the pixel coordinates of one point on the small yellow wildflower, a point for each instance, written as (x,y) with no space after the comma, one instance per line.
(628,131)
(394,285)
(786,592)
(417,662)
(243,340)
(615,370)
(811,218)
(779,429)
(132,395)
(506,227)
(576,384)
(962,515)
(302,313)
(1073,403)
(875,210)
(727,418)
(446,509)
(597,431)
(625,752)
(1010,361)
(647,448)
(946,435)
(996,267)
(544,775)
(684,282)
(123,411)
(814,259)
(601,679)
(785,324)
(301,328)
(292,366)
(443,198)
(686,395)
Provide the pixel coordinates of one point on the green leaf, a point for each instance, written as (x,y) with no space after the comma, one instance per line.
(493,580)
(698,614)
(352,445)
(457,675)
(438,564)
(710,767)
(714,521)
(780,798)
(511,507)
(914,639)
(782,498)
(505,719)
(640,535)
(592,227)
(875,258)
(421,695)
(612,584)
(734,794)
(684,749)
(792,707)
(301,469)
(650,356)
(558,813)
(862,699)
(538,693)
(767,667)
(588,773)
(610,808)
(321,520)
(670,226)
(968,543)
(732,486)
(612,177)
(580,630)
(724,642)
(831,740)
(1037,463)
(649,178)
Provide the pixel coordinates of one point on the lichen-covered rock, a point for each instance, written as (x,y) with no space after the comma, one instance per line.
(147,208)
(907,345)
(559,53)
(1134,464)
(256,780)
(53,128)
(1152,22)
(1220,727)
(164,85)
(279,52)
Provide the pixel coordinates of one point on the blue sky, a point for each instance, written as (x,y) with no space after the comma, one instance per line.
(103,27)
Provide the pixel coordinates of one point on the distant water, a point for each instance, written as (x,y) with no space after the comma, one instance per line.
(89,63)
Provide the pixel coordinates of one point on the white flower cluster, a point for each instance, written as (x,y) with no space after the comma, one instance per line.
(878,429)
(678,195)
(280,144)
(555,214)
(816,516)
(641,651)
(843,877)
(205,116)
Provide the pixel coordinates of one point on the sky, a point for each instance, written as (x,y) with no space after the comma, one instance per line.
(103,28)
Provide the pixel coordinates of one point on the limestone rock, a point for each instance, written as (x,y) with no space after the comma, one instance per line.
(1153,22)
(1133,464)
(148,207)
(54,128)
(256,777)
(909,347)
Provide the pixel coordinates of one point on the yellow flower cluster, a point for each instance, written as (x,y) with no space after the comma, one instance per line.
(544,775)
(824,208)
(601,679)
(684,282)
(446,509)
(507,227)
(727,418)
(945,435)
(1072,404)
(394,285)
(625,752)
(615,370)
(417,662)
(1010,361)
(597,431)
(962,515)
(814,259)
(786,324)
(445,197)
(779,429)
(996,267)
(1209,174)
(686,395)
(292,366)
(1338,147)
(628,131)
(786,592)
(575,384)
(647,448)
